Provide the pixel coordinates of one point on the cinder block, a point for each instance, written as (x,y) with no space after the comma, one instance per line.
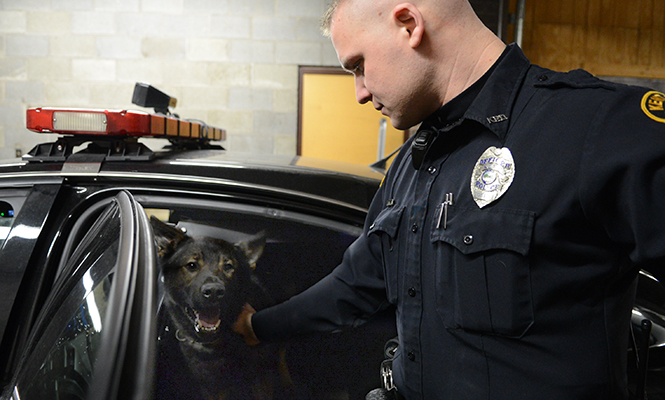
(285,101)
(275,123)
(246,142)
(13,68)
(185,26)
(232,121)
(72,5)
(118,47)
(49,69)
(94,70)
(244,98)
(31,5)
(24,92)
(113,96)
(12,117)
(67,94)
(285,145)
(229,74)
(209,97)
(13,21)
(232,27)
(308,30)
(51,22)
(207,6)
(163,48)
(26,46)
(300,8)
(208,50)
(74,46)
(93,23)
(2,91)
(163,6)
(115,5)
(298,53)
(252,51)
(139,24)
(252,7)
(329,55)
(148,71)
(187,73)
(275,76)
(271,28)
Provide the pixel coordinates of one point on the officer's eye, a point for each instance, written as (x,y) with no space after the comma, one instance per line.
(358,68)
(192,266)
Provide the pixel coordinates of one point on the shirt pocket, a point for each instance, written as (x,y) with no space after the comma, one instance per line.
(483,272)
(386,227)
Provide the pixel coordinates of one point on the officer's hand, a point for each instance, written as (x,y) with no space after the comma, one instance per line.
(243,325)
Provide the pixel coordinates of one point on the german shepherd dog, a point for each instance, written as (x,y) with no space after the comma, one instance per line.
(207,281)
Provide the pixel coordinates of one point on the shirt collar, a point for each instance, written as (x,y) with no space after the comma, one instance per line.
(489,100)
(493,106)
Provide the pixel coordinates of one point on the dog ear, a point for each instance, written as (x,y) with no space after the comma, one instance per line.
(253,248)
(167,237)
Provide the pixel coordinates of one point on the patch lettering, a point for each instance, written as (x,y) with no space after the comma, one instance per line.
(653,106)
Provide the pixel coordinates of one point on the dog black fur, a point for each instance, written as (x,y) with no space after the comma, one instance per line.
(206,283)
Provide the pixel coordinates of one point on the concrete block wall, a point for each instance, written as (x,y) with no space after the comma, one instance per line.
(232,63)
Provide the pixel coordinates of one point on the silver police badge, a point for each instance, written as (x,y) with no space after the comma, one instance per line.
(492,175)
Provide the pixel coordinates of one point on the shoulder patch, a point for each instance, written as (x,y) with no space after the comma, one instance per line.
(652,105)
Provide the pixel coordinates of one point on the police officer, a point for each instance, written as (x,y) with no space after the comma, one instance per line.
(509,231)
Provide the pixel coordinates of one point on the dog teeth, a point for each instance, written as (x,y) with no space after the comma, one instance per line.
(205,327)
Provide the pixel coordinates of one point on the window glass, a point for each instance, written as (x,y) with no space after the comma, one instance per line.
(10,205)
(61,363)
(198,355)
(6,220)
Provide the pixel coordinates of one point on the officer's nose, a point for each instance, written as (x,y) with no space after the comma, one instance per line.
(362,94)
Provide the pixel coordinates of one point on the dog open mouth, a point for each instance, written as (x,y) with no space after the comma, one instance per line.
(205,320)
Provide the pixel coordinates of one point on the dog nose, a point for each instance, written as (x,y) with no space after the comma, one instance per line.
(213,291)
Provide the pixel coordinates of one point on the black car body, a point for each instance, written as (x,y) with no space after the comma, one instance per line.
(80,311)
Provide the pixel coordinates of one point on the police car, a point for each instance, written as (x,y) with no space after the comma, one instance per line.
(82,314)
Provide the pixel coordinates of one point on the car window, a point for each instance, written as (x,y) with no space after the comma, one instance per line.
(10,205)
(286,251)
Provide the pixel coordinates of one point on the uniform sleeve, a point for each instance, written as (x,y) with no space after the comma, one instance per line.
(623,175)
(347,297)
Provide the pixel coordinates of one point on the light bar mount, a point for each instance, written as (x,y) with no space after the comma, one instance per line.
(115,149)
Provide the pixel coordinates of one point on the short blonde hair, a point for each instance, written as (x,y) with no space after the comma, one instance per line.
(326,20)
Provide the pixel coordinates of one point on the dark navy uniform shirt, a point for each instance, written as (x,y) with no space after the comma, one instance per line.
(529,296)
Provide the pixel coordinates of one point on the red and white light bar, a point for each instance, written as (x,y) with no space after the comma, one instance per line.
(117,123)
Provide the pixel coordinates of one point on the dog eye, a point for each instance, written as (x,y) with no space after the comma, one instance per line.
(228,267)
(192,266)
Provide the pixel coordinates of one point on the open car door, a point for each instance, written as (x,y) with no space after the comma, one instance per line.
(94,338)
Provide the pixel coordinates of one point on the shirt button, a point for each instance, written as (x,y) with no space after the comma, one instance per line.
(431,170)
(411,356)
(414,228)
(468,240)
(543,77)
(412,292)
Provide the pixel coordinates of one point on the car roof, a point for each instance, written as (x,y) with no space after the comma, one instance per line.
(353,184)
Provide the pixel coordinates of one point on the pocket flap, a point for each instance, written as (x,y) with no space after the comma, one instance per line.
(473,230)
(387,221)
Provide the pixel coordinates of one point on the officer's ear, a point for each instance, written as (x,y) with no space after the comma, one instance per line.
(410,20)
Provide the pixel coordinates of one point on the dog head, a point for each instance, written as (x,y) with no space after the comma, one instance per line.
(206,280)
